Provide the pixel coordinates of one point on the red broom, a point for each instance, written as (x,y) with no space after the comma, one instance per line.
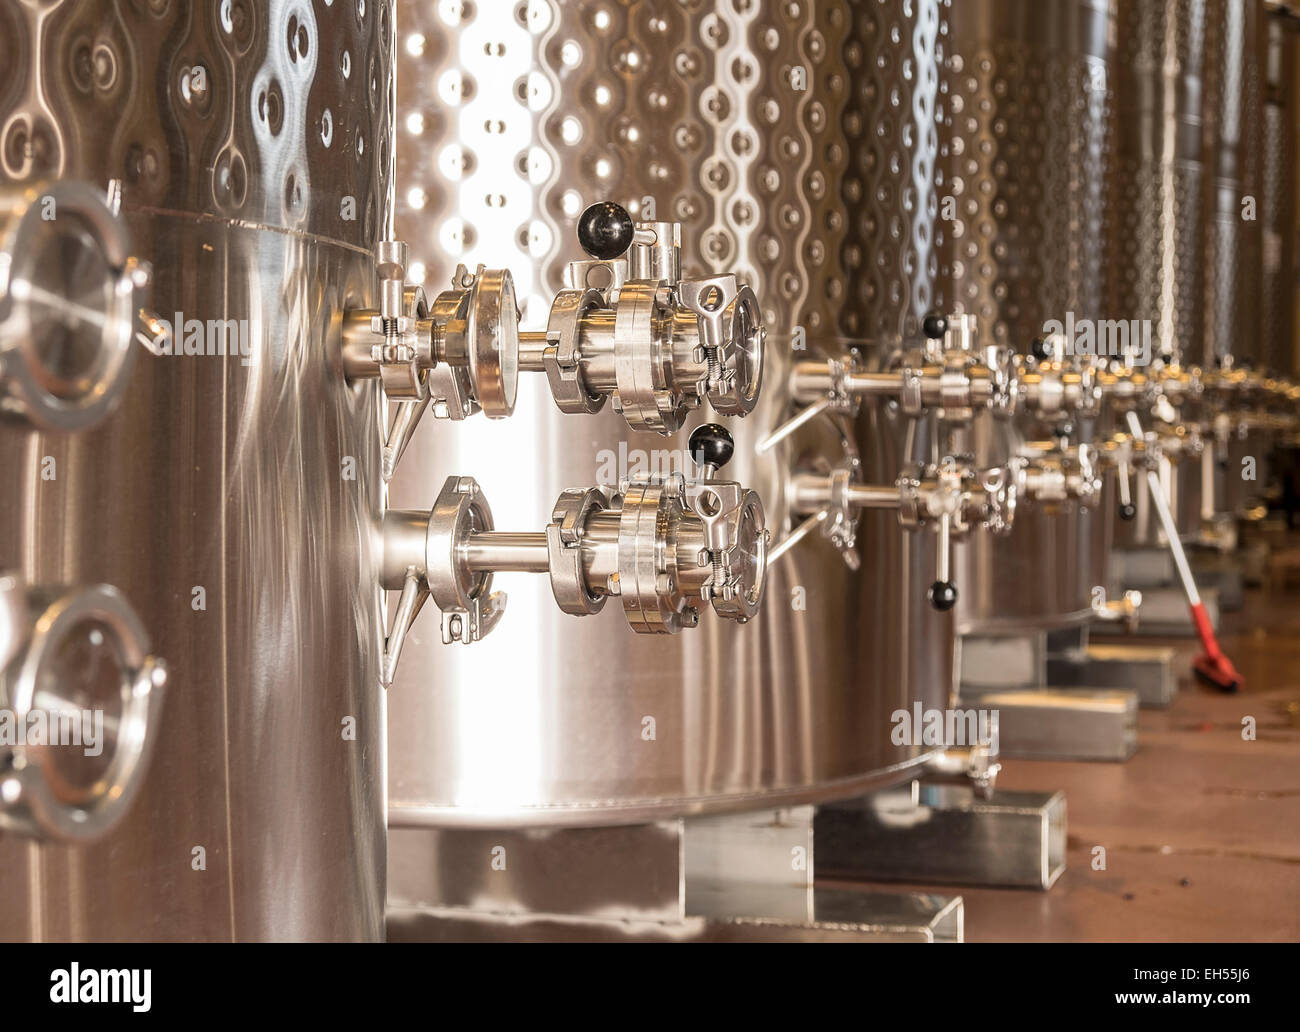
(1211,666)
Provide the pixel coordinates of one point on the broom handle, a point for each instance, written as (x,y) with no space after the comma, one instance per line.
(1167,521)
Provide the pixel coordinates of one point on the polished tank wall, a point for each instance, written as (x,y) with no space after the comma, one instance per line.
(1026,147)
(727,118)
(1235,71)
(890,253)
(1235,57)
(1155,218)
(253,140)
(1041,575)
(896,175)
(1278,174)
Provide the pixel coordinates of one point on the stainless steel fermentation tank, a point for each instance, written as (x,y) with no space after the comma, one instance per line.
(1236,64)
(1026,144)
(1234,69)
(231,499)
(1281,113)
(1192,240)
(1155,213)
(726,118)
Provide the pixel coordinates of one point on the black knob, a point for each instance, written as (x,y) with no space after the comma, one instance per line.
(711,445)
(1040,349)
(934,326)
(1127,510)
(605,230)
(943,595)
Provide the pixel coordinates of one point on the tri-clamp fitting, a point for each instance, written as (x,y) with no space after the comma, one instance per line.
(972,766)
(947,375)
(1129,456)
(1057,387)
(84,694)
(1126,610)
(951,497)
(627,327)
(1180,384)
(1054,472)
(1127,387)
(1126,455)
(70,294)
(664,545)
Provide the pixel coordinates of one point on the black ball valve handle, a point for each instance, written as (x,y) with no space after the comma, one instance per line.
(943,592)
(605,230)
(943,595)
(1127,510)
(934,326)
(711,446)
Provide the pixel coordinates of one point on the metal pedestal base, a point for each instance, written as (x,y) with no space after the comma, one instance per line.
(946,834)
(842,916)
(737,877)
(1078,721)
(1063,723)
(1003,661)
(1141,568)
(1146,670)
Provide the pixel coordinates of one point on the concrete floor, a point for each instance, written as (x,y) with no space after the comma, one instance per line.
(1201,828)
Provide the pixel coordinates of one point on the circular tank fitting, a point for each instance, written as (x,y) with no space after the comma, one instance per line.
(67,305)
(82,693)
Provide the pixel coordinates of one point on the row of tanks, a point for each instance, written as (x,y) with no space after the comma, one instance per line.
(1009,195)
(862,166)
(879,315)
